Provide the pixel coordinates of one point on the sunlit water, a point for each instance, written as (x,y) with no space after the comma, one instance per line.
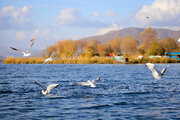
(124,92)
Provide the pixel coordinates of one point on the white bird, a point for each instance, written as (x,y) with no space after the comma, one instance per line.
(179,40)
(46,92)
(48,59)
(89,83)
(25,53)
(156,74)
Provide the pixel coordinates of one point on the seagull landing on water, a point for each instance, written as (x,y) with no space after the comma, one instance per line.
(156,74)
(46,92)
(25,53)
(89,83)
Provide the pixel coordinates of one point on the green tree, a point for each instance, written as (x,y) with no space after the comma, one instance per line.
(156,48)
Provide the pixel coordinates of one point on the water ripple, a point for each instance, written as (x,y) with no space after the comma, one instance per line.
(124,92)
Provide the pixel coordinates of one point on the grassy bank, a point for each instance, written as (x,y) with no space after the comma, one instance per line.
(153,60)
(60,61)
(93,60)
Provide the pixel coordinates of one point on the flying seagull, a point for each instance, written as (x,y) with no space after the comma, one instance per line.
(50,58)
(89,83)
(25,53)
(46,92)
(156,74)
(179,40)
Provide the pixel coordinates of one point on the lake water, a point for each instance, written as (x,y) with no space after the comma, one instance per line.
(124,92)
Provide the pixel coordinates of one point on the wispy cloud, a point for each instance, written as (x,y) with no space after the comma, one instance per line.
(160,13)
(72,16)
(15,18)
(68,16)
(108,29)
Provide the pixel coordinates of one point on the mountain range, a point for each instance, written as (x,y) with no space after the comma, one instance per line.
(135,32)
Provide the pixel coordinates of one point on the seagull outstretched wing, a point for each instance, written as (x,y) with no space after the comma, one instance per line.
(83,83)
(51,87)
(151,67)
(32,42)
(156,74)
(39,85)
(96,80)
(17,49)
(164,70)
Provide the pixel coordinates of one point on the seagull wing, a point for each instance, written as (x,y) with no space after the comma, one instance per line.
(39,85)
(17,50)
(92,84)
(155,73)
(51,87)
(32,41)
(53,54)
(31,44)
(96,80)
(45,60)
(83,83)
(151,67)
(48,59)
(163,71)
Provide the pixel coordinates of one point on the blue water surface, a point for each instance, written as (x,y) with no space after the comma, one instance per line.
(124,92)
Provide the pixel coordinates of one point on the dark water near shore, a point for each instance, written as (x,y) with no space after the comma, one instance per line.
(124,92)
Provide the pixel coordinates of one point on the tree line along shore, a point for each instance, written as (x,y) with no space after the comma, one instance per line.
(148,44)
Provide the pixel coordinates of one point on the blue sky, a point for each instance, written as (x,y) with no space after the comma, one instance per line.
(53,20)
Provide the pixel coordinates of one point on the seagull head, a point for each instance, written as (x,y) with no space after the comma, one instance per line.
(98,79)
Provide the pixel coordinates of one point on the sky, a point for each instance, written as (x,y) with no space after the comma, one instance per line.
(54,20)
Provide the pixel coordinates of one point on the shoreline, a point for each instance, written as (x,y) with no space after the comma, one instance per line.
(93,60)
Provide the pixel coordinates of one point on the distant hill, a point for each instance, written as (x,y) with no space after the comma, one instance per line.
(135,32)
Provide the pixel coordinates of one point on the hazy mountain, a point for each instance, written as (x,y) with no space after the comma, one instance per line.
(135,32)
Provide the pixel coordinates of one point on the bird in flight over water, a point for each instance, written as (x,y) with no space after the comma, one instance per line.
(47,91)
(89,83)
(156,74)
(25,53)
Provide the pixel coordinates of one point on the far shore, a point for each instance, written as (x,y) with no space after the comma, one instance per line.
(93,60)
